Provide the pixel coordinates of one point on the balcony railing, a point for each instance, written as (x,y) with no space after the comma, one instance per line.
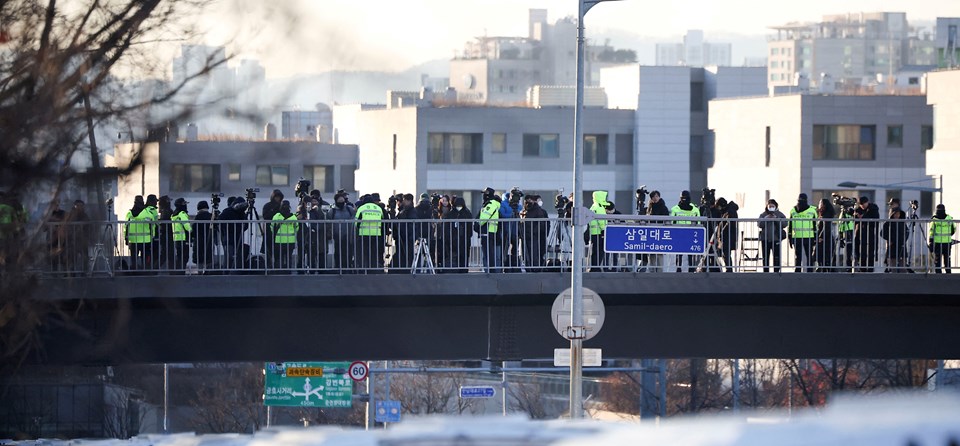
(745,245)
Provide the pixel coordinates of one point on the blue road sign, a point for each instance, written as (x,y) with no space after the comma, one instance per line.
(477,392)
(675,239)
(387,412)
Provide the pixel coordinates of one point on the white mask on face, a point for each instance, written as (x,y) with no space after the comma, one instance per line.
(540,203)
(771,208)
(459,208)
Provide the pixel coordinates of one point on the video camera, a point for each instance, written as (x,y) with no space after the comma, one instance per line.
(914,205)
(215,200)
(303,188)
(708,197)
(515,195)
(642,198)
(561,202)
(847,204)
(252,193)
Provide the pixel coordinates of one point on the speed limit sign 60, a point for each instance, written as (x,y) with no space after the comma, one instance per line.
(358,371)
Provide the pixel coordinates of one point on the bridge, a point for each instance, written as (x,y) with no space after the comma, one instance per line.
(183,318)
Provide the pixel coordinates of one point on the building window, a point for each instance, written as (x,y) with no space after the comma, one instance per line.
(195,178)
(696,96)
(348,177)
(394,151)
(233,172)
(455,148)
(895,136)
(595,149)
(774,51)
(844,142)
(543,146)
(624,143)
(273,175)
(320,177)
(498,143)
(926,137)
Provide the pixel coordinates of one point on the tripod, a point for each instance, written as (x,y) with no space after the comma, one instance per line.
(912,245)
(560,247)
(99,251)
(421,258)
(253,239)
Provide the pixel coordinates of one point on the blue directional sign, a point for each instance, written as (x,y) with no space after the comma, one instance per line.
(387,412)
(477,392)
(675,239)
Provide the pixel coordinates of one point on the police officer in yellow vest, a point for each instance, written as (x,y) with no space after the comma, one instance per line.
(181,233)
(488,228)
(942,229)
(140,232)
(369,235)
(802,232)
(284,229)
(595,229)
(685,209)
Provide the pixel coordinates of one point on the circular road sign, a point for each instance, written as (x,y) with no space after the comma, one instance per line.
(593,314)
(358,371)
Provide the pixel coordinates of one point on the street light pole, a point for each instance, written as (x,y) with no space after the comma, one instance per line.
(576,331)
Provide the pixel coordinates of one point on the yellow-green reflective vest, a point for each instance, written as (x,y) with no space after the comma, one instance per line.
(490,216)
(676,211)
(597,226)
(180,230)
(802,223)
(285,232)
(846,225)
(370,216)
(941,230)
(141,230)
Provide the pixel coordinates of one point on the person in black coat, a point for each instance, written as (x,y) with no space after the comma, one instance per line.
(533,231)
(404,234)
(656,206)
(232,233)
(202,242)
(824,249)
(896,233)
(457,236)
(727,232)
(866,218)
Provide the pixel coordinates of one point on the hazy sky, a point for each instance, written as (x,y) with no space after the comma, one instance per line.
(304,36)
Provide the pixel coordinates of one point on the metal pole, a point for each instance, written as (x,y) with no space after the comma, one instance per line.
(663,389)
(736,386)
(939,382)
(370,405)
(269,415)
(386,365)
(576,280)
(503,387)
(166,397)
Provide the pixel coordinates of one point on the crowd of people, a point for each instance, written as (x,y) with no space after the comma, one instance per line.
(436,233)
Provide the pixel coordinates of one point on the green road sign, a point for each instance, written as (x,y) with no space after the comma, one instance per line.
(307,384)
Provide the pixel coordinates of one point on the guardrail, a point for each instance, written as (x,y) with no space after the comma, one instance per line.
(464,246)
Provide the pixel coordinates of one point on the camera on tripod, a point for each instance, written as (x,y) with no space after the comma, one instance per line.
(515,195)
(642,198)
(252,193)
(708,197)
(914,205)
(846,204)
(561,202)
(303,188)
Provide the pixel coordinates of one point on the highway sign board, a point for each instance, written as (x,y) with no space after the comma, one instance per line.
(674,239)
(307,384)
(592,357)
(477,392)
(358,371)
(593,313)
(387,412)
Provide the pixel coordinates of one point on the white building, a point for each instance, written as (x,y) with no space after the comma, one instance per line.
(778,147)
(195,170)
(673,146)
(694,52)
(944,158)
(947,42)
(462,150)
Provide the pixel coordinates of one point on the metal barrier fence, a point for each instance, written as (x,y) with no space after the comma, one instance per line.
(462,246)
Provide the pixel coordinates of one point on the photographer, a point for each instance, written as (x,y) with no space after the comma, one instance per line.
(866,218)
(727,232)
(457,235)
(510,210)
(657,206)
(341,231)
(895,232)
(232,233)
(533,232)
(202,241)
(824,249)
(709,209)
